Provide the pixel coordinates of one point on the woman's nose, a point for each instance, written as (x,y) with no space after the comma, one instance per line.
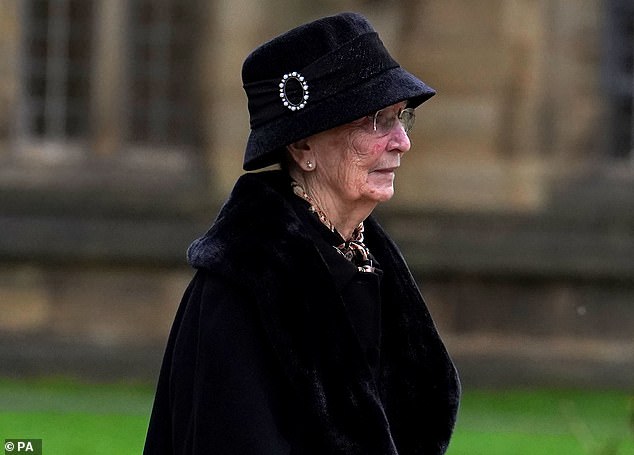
(399,139)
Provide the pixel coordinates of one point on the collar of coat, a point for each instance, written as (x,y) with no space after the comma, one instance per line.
(259,242)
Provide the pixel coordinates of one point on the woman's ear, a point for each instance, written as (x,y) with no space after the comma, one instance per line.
(302,155)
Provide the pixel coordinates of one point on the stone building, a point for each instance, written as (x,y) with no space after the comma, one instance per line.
(122,127)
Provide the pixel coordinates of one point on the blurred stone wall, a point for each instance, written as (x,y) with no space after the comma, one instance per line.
(513,215)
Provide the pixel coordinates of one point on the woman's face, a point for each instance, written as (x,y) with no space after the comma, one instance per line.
(356,164)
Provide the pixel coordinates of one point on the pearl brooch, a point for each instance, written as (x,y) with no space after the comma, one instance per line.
(299,79)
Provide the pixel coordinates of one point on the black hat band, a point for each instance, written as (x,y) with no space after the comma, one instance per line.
(362,58)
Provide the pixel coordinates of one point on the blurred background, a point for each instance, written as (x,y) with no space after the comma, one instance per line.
(122,129)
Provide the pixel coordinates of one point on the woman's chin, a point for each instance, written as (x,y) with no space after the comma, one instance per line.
(381,194)
(381,186)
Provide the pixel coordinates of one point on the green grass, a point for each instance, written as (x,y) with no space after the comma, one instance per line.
(74,418)
(544,422)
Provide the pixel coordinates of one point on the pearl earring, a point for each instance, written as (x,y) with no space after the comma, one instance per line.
(309,164)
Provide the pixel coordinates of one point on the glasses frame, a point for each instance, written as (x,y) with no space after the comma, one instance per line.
(407,127)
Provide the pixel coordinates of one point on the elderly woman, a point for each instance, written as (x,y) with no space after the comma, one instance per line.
(303,331)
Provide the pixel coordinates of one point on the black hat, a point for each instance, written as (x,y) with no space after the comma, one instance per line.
(318,76)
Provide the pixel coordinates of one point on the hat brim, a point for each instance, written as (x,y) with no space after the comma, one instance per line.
(265,145)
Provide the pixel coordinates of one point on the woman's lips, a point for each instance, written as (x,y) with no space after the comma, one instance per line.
(386,170)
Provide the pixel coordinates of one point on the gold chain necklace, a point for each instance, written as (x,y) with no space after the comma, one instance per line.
(354,249)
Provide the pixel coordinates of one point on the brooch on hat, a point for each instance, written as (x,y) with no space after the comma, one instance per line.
(297,80)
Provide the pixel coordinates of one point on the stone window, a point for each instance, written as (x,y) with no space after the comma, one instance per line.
(108,75)
(161,63)
(57,64)
(620,77)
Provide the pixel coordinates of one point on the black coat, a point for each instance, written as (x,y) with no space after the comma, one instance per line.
(263,357)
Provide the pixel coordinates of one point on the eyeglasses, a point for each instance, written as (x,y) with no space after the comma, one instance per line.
(383,121)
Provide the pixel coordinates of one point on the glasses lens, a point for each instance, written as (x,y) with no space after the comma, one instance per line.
(383,121)
(407,118)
